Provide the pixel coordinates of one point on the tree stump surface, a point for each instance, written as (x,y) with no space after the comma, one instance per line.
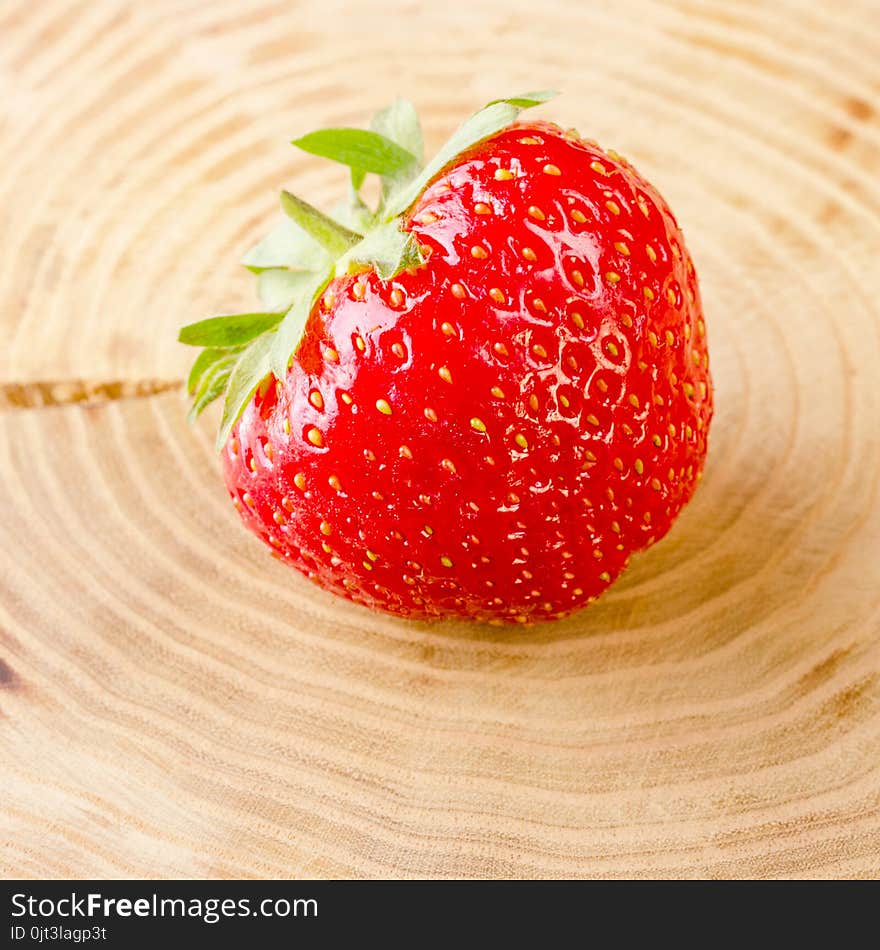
(175,703)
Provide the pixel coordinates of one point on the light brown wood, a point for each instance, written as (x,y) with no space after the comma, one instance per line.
(173,702)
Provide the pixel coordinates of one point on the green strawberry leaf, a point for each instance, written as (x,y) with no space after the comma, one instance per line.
(277,289)
(334,237)
(212,383)
(357,178)
(357,148)
(400,123)
(386,248)
(527,99)
(348,214)
(228,331)
(286,245)
(204,362)
(250,369)
(489,120)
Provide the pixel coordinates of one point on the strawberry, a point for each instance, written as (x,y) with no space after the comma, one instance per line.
(478,400)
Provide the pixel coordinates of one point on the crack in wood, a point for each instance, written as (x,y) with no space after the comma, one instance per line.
(8,677)
(41,394)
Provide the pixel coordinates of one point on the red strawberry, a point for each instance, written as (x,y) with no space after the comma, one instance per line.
(492,432)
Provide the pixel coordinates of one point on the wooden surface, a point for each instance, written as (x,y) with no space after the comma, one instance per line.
(173,702)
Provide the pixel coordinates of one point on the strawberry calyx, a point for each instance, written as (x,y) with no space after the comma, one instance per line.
(296,261)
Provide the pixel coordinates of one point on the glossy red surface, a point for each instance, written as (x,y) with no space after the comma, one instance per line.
(495,434)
